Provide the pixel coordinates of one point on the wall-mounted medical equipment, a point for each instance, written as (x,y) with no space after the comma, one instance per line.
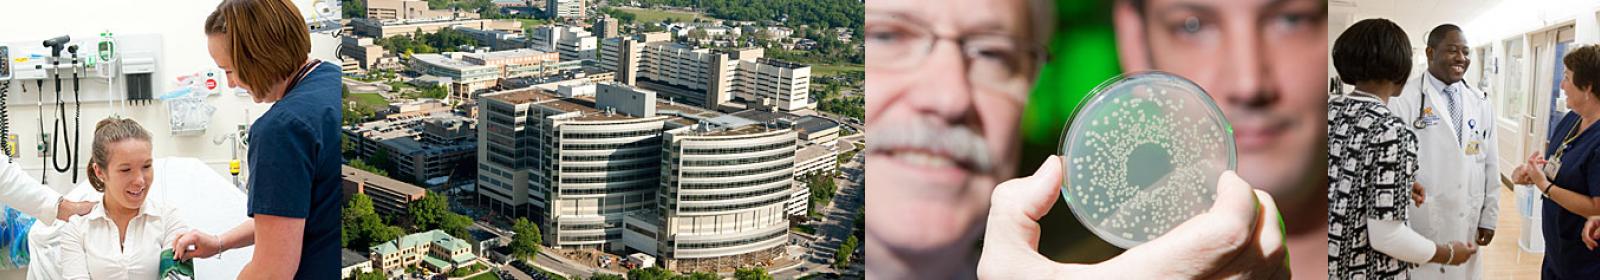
(93,63)
(186,103)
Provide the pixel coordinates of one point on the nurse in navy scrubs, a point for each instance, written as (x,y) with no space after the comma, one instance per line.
(294,147)
(1568,172)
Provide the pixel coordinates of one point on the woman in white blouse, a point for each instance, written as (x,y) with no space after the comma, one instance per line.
(123,236)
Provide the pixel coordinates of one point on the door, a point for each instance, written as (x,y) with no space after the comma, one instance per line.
(1511,113)
(1542,111)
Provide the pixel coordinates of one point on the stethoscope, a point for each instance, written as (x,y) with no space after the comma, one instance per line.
(1422,120)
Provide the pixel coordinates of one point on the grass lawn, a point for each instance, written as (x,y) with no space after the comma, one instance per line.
(369,100)
(484,276)
(807,229)
(823,70)
(528,22)
(652,15)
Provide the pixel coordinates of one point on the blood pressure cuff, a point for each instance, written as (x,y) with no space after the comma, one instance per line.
(171,268)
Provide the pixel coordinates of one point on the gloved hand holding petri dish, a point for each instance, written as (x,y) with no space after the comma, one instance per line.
(1143,153)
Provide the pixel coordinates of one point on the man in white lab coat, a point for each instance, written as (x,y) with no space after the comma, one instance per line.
(1455,129)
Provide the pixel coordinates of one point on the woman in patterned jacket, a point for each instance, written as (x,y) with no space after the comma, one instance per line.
(1372,162)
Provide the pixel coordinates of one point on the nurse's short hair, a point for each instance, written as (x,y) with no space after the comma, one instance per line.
(1372,50)
(1585,66)
(108,131)
(267,39)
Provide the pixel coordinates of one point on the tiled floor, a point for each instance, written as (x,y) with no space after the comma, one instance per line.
(1503,259)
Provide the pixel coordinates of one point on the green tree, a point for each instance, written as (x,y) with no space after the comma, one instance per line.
(605,276)
(353,8)
(841,259)
(433,212)
(650,273)
(347,148)
(622,16)
(380,161)
(362,227)
(699,275)
(752,273)
(376,274)
(526,239)
(435,92)
(822,192)
(362,165)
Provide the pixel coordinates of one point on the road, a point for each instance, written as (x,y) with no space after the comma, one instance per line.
(836,225)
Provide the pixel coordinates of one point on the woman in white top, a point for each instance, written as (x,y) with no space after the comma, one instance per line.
(123,236)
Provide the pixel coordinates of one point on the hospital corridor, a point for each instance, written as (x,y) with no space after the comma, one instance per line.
(1515,51)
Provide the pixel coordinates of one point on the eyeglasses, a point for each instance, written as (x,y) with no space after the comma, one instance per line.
(996,62)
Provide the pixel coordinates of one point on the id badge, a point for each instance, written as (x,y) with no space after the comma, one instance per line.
(1551,167)
(1473,147)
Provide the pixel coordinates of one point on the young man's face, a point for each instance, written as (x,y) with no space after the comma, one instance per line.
(938,142)
(1260,60)
(1449,60)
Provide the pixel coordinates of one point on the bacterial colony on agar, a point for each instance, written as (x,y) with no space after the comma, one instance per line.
(1142,154)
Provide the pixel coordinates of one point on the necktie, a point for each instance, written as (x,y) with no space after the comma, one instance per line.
(1450,96)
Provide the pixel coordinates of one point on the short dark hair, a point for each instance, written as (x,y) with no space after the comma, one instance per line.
(1585,66)
(1372,50)
(1439,32)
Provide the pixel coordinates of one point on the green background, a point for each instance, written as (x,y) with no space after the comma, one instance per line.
(1083,54)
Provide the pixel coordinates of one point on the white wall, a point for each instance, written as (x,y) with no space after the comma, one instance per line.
(1515,18)
(179,25)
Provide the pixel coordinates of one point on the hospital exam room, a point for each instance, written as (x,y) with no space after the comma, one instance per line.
(69,64)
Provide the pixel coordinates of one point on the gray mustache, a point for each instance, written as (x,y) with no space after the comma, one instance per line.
(960,142)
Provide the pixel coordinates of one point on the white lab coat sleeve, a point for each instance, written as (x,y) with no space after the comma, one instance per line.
(1394,238)
(74,260)
(1489,214)
(24,193)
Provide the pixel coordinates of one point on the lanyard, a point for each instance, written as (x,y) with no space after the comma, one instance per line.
(300,75)
(1554,164)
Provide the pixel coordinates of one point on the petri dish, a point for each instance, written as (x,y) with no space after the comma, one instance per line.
(1142,155)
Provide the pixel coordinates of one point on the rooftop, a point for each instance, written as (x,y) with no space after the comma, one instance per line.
(444,61)
(435,237)
(715,131)
(506,54)
(815,124)
(781,63)
(374,180)
(764,115)
(520,96)
(810,152)
(348,258)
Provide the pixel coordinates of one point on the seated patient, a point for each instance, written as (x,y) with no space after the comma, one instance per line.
(123,236)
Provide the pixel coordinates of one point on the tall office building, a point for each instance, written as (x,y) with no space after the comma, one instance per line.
(606,27)
(705,77)
(625,172)
(577,168)
(564,9)
(573,43)
(723,199)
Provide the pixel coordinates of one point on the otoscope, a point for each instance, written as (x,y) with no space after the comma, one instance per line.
(61,108)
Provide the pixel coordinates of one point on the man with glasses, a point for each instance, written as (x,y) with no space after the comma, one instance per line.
(947,83)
